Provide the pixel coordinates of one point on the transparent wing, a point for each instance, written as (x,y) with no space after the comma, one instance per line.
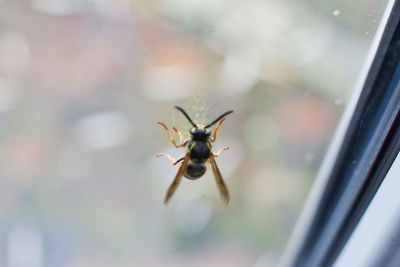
(223,189)
(177,179)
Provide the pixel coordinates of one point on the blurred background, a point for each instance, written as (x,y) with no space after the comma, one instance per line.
(83,83)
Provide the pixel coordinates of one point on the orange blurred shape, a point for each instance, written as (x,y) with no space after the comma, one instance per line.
(307,118)
(27,157)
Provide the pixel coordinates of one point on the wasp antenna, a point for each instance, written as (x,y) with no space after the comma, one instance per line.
(220,117)
(186,115)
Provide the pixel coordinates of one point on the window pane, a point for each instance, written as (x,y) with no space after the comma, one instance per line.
(83,83)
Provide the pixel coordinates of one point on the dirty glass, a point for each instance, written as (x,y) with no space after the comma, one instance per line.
(83,84)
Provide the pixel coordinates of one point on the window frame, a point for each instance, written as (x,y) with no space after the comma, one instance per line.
(363,149)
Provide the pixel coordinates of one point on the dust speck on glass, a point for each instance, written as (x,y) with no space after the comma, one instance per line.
(83,83)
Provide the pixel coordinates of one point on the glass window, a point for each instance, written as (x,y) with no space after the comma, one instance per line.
(83,83)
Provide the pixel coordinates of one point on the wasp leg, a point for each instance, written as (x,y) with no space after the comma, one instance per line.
(216,155)
(174,161)
(170,136)
(216,130)
(181,138)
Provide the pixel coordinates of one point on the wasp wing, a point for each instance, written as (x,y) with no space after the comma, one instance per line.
(177,179)
(223,189)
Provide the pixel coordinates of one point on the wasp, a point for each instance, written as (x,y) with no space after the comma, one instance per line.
(198,153)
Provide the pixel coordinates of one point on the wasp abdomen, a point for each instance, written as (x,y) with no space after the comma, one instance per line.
(195,170)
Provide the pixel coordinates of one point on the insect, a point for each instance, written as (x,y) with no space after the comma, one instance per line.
(198,153)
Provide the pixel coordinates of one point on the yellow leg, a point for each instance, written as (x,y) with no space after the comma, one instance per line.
(170,136)
(181,138)
(174,161)
(216,155)
(216,130)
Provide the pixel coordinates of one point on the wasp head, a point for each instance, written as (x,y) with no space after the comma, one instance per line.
(200,133)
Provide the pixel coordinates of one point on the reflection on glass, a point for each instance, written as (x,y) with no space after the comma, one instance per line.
(83,83)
